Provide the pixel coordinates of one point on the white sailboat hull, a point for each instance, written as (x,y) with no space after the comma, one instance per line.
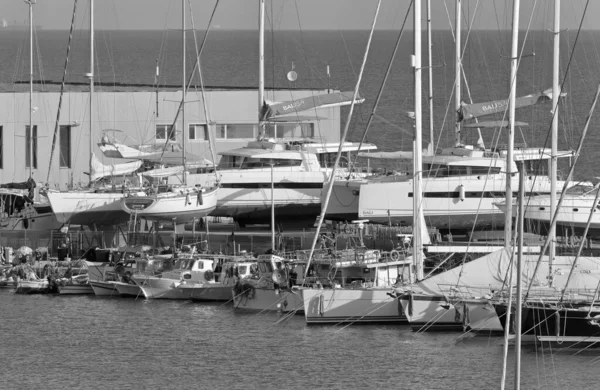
(182,208)
(87,207)
(361,305)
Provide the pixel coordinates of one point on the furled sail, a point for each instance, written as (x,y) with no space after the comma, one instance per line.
(163,172)
(470,111)
(271,109)
(100,170)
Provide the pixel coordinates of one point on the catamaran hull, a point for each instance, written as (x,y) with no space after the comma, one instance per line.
(451,203)
(87,208)
(322,306)
(180,208)
(270,300)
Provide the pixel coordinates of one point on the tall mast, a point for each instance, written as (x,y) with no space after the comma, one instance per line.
(511,129)
(458,65)
(509,166)
(91,76)
(183,86)
(30,146)
(261,60)
(430,68)
(417,144)
(554,140)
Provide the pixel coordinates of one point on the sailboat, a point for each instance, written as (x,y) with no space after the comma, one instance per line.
(96,205)
(18,208)
(178,204)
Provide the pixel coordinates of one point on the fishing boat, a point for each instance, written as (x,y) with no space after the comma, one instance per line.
(354,286)
(272,288)
(18,211)
(226,273)
(175,272)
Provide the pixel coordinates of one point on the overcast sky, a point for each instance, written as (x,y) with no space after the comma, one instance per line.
(290,14)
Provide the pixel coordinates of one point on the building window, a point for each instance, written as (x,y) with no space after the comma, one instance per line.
(1,148)
(65,146)
(236,131)
(31,140)
(290,130)
(162,131)
(198,132)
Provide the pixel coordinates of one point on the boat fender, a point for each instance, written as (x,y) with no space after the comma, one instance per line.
(199,200)
(209,275)
(187,199)
(461,193)
(395,255)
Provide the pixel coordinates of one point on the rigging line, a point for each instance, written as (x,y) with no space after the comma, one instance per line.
(569,176)
(509,165)
(587,226)
(575,158)
(343,138)
(205,108)
(190,78)
(383,83)
(62,88)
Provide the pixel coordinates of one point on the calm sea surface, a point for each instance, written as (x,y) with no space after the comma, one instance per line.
(88,342)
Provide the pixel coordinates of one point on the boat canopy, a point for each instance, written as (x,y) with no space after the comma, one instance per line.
(100,170)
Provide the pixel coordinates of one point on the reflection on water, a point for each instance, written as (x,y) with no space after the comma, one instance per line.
(90,342)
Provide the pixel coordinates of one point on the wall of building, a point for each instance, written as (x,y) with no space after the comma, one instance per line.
(136,114)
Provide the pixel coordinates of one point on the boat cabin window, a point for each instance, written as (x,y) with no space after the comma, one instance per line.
(441,170)
(184,264)
(536,167)
(243,269)
(264,267)
(235,162)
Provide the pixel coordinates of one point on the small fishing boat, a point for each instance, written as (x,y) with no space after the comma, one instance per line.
(272,288)
(219,287)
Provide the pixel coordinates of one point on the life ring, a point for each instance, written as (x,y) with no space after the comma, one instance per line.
(394,255)
(209,275)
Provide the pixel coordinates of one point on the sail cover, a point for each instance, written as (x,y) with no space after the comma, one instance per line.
(319,101)
(398,155)
(470,111)
(100,170)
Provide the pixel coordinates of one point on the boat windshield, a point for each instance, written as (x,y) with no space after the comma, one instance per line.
(238,162)
(184,264)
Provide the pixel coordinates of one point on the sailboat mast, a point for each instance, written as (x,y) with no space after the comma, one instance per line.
(261,62)
(430,69)
(554,138)
(509,166)
(458,65)
(183,86)
(417,144)
(91,76)
(30,145)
